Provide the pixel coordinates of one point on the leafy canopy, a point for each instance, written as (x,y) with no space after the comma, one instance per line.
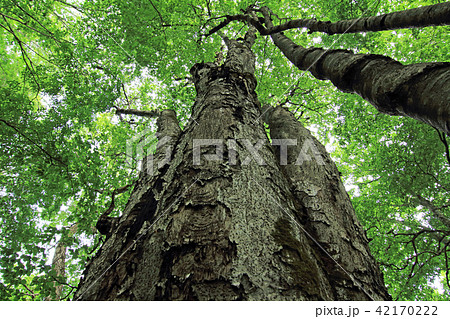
(66,66)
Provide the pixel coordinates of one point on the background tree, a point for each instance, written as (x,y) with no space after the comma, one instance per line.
(102,55)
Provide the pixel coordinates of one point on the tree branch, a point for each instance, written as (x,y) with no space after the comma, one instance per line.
(26,25)
(434,210)
(25,57)
(52,158)
(150,114)
(125,93)
(444,141)
(238,17)
(71,5)
(51,34)
(433,15)
(157,11)
(106,223)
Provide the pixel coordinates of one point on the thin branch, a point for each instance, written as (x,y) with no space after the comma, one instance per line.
(26,25)
(52,35)
(67,295)
(113,196)
(425,172)
(157,11)
(71,5)
(106,223)
(25,56)
(32,293)
(434,210)
(38,54)
(52,158)
(293,92)
(63,283)
(443,139)
(125,93)
(100,242)
(239,17)
(208,7)
(160,17)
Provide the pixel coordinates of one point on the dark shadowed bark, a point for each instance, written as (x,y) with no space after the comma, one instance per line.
(211,227)
(433,15)
(420,91)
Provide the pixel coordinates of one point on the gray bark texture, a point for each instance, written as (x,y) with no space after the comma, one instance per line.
(420,91)
(232,227)
(326,210)
(433,15)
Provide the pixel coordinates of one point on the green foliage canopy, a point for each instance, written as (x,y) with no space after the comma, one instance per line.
(66,66)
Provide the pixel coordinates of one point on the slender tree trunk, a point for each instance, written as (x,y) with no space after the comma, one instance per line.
(213,227)
(59,264)
(433,15)
(420,91)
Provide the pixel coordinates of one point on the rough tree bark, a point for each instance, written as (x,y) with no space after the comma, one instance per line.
(428,16)
(232,227)
(420,91)
(433,15)
(327,212)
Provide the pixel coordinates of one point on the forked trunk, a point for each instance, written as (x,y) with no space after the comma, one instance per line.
(220,220)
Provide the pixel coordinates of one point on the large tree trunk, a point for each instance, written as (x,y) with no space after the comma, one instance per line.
(326,211)
(433,15)
(420,91)
(227,228)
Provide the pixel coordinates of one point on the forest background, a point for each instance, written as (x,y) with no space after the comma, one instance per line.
(67,67)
